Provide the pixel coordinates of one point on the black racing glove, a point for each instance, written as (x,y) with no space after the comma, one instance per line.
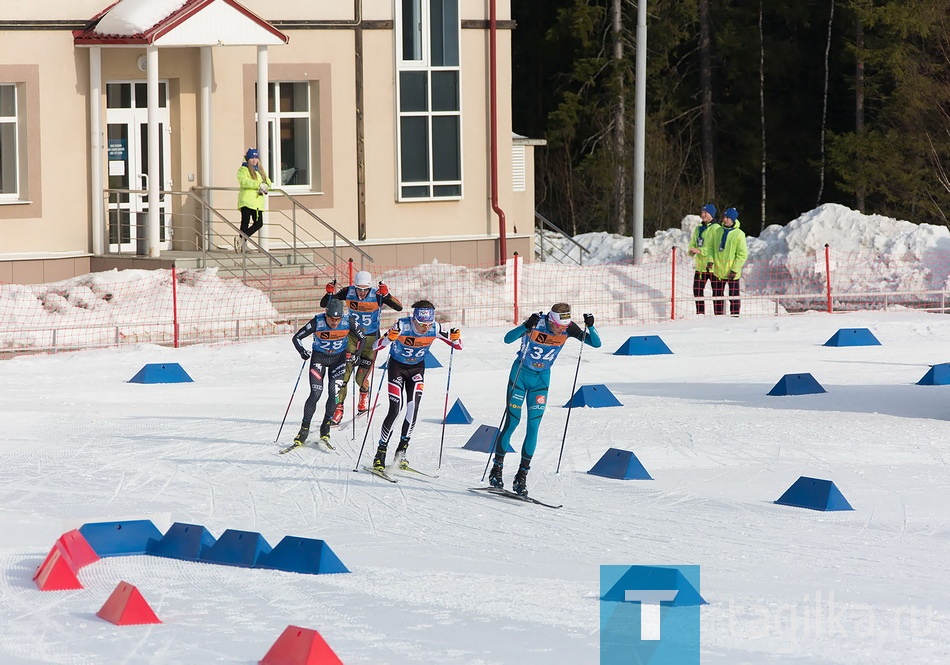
(304,354)
(532,321)
(589,320)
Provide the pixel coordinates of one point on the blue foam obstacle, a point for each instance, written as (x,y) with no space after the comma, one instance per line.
(302,555)
(853,337)
(120,538)
(814,494)
(161,373)
(797,384)
(483,440)
(458,415)
(654,578)
(237,548)
(621,464)
(937,375)
(647,345)
(594,397)
(188,542)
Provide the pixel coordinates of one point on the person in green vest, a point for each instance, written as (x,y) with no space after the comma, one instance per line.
(725,247)
(701,275)
(254,184)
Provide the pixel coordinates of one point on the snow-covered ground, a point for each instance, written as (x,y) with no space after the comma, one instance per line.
(443,575)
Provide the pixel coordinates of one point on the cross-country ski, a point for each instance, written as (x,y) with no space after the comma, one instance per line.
(508,494)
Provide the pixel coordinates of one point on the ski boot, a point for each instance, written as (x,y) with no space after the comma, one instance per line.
(379,462)
(400,457)
(363,405)
(520,484)
(337,415)
(494,476)
(301,437)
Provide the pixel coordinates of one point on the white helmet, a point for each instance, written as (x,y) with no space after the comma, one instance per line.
(363,280)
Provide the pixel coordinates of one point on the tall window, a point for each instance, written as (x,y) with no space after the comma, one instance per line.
(429,114)
(288,131)
(9,151)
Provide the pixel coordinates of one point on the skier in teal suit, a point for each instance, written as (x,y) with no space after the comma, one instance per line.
(542,336)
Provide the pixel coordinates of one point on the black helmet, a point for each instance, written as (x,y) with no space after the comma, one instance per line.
(335,308)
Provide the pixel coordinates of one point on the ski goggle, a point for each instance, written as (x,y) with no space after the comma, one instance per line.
(423,316)
(361,291)
(560,319)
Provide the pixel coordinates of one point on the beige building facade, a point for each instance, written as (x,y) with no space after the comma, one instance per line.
(387,132)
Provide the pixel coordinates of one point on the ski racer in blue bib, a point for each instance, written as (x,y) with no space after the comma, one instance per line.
(409,339)
(542,338)
(364,302)
(332,331)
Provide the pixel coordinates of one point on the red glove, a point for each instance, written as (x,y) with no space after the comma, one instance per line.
(331,287)
(382,290)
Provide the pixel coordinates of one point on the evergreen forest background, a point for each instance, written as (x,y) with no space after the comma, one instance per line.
(771,107)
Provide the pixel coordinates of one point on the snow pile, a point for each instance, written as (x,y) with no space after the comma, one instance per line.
(133,17)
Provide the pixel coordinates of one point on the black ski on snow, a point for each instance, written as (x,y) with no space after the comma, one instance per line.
(417,472)
(319,443)
(508,494)
(381,474)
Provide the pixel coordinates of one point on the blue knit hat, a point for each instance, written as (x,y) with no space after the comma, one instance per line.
(251,154)
(731,213)
(710,208)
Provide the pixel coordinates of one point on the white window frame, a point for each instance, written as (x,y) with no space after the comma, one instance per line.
(423,64)
(15,121)
(273,132)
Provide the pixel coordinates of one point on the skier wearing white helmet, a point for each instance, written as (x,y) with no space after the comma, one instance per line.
(364,302)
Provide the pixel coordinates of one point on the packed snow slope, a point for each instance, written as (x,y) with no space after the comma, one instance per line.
(443,575)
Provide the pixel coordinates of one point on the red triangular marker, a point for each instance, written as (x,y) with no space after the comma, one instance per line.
(77,549)
(56,573)
(300,646)
(127,607)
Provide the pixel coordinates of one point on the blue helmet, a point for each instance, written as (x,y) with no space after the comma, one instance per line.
(424,315)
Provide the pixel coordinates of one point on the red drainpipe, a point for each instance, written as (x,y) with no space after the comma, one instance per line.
(493,115)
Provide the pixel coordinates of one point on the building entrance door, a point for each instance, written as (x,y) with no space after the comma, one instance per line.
(127,141)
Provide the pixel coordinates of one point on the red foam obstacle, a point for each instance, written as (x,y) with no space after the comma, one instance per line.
(56,573)
(300,646)
(77,549)
(127,607)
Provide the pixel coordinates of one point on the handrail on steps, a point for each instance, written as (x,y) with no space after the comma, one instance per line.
(297,229)
(545,222)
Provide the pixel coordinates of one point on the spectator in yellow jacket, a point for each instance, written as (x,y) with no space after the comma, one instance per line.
(701,275)
(726,249)
(254,184)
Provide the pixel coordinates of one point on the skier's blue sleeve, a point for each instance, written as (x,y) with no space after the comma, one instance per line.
(515,333)
(592,339)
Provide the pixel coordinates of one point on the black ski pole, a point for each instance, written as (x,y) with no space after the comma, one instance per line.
(305,361)
(571,403)
(353,404)
(445,409)
(369,421)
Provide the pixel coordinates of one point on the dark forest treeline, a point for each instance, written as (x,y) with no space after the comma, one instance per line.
(806,102)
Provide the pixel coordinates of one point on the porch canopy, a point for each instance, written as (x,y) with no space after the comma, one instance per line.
(158,24)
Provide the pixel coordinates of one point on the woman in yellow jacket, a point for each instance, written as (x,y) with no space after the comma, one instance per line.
(726,249)
(254,184)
